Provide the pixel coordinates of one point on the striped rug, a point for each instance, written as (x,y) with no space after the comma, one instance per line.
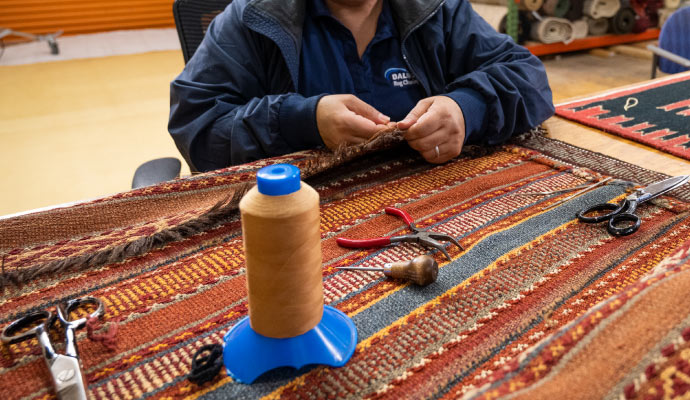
(538,305)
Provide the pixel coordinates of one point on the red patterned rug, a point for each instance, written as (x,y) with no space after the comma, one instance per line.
(538,305)
(655,113)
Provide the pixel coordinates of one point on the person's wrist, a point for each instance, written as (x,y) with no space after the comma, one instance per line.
(473,108)
(298,126)
(322,111)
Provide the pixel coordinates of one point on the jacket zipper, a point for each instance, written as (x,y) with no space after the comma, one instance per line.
(402,44)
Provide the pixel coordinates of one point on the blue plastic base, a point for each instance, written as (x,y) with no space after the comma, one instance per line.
(247,354)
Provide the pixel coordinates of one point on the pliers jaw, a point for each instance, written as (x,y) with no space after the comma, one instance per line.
(428,239)
(443,236)
(433,243)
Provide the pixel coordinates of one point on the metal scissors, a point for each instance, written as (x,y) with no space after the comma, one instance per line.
(622,218)
(418,235)
(64,368)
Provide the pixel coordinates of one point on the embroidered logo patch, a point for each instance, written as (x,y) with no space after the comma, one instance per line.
(399,77)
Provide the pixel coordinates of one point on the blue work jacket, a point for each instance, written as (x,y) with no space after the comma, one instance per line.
(236,99)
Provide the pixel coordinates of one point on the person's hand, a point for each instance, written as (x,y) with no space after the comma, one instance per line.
(344,119)
(435,128)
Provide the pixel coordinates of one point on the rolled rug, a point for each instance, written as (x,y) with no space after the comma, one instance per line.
(597,26)
(497,15)
(556,8)
(664,13)
(494,2)
(580,28)
(642,23)
(652,11)
(637,5)
(575,11)
(624,21)
(530,5)
(524,27)
(601,8)
(552,30)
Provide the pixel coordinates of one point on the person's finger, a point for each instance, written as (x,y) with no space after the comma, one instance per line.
(384,127)
(419,109)
(445,153)
(363,109)
(360,127)
(426,124)
(427,143)
(430,155)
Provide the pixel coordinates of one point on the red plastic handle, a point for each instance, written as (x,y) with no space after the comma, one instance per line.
(400,213)
(358,243)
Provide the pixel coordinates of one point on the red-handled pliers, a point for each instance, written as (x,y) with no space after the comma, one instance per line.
(421,236)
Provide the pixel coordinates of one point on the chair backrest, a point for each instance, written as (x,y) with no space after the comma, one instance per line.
(192,18)
(675,37)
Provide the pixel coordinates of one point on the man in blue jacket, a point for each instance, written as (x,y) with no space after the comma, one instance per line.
(273,77)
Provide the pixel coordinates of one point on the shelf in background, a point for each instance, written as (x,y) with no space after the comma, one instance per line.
(541,49)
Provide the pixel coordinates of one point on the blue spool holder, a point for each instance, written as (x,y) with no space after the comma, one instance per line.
(247,354)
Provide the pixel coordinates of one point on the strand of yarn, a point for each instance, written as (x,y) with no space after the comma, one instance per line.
(109,335)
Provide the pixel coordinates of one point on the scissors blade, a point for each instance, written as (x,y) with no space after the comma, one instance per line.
(67,378)
(661,187)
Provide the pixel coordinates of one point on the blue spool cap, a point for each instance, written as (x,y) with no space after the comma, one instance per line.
(247,354)
(278,179)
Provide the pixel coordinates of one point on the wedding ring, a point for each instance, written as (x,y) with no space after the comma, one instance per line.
(438,154)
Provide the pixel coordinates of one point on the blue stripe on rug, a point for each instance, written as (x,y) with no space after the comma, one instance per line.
(402,302)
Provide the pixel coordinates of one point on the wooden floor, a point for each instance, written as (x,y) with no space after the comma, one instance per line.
(77,129)
(579,74)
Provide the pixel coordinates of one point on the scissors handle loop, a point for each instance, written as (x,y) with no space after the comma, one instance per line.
(11,333)
(64,311)
(612,208)
(39,323)
(619,216)
(619,224)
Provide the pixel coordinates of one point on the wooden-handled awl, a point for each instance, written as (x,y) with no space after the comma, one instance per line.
(421,270)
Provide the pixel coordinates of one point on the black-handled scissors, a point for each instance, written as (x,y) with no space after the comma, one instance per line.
(64,368)
(622,218)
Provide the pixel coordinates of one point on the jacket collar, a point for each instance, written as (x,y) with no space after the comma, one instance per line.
(289,14)
(282,22)
(409,14)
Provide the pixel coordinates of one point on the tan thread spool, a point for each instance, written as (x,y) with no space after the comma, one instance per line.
(282,246)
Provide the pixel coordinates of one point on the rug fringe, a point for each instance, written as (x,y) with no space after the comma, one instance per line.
(223,211)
